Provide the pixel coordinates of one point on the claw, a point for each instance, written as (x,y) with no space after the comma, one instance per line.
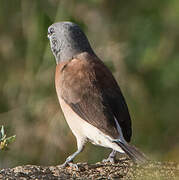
(70,164)
(109,159)
(74,166)
(63,165)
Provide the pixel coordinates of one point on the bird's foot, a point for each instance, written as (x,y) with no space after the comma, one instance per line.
(73,166)
(109,159)
(70,164)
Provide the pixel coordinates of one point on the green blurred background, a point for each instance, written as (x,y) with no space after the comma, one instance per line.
(138,40)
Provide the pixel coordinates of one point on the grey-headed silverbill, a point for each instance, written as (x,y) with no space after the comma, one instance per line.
(90,97)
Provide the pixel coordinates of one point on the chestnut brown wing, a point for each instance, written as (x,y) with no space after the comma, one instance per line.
(89,88)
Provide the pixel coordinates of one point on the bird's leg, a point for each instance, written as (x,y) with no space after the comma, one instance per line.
(71,157)
(69,160)
(111,157)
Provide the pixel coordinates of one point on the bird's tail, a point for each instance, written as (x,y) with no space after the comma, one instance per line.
(136,155)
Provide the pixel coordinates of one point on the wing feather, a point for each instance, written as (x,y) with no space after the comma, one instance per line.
(89,88)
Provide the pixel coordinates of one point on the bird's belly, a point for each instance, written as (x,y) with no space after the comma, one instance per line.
(82,129)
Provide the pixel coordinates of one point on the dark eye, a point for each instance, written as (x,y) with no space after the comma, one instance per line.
(51,30)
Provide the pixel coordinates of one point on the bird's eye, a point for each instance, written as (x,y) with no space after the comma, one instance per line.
(51,30)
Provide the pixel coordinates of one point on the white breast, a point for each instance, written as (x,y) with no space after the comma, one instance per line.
(84,130)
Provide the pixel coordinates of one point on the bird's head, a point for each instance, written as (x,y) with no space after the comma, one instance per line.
(67,40)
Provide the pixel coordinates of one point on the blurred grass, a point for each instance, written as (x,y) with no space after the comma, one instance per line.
(138,40)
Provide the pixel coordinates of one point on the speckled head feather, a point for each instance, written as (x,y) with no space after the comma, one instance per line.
(67,40)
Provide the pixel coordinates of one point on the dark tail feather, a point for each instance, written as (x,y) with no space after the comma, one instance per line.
(133,152)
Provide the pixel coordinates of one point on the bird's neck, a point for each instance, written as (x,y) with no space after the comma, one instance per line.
(66,54)
(70,48)
(69,54)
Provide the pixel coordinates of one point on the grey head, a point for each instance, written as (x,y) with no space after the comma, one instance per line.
(67,40)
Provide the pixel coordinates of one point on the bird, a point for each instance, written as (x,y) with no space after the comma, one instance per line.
(89,95)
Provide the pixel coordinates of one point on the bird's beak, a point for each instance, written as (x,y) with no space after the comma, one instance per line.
(48,35)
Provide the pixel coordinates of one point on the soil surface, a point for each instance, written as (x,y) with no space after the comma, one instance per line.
(123,169)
